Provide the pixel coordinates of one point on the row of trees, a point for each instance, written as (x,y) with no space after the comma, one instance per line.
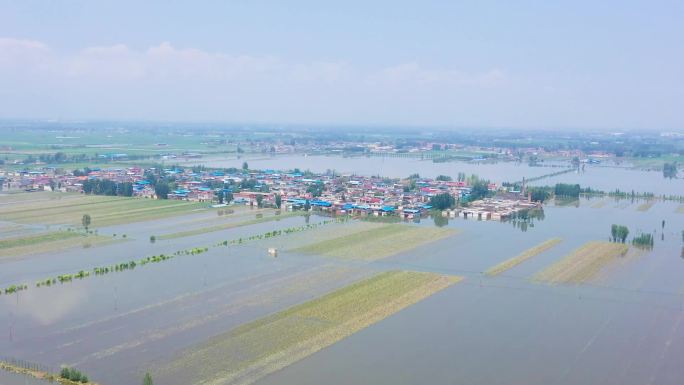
(107,187)
(567,190)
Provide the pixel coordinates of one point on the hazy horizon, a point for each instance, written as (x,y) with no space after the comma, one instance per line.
(529,65)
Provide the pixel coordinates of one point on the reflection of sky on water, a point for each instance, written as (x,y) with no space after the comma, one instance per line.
(34,306)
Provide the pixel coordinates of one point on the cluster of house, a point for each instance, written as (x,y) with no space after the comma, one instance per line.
(335,194)
(496,209)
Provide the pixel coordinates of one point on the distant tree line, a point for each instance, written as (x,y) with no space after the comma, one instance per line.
(107,187)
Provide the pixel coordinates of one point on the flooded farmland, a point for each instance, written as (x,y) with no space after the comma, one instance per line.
(622,325)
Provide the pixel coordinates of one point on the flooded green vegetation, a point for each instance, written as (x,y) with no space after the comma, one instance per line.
(644,240)
(256,349)
(379,242)
(522,257)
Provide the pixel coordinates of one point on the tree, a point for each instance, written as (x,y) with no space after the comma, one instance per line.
(278,200)
(259,199)
(479,190)
(443,178)
(670,170)
(220,197)
(316,189)
(161,189)
(442,201)
(148,379)
(245,166)
(307,205)
(567,190)
(619,233)
(85,221)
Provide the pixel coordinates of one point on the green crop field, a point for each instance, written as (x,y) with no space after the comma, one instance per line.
(253,350)
(68,209)
(54,241)
(378,242)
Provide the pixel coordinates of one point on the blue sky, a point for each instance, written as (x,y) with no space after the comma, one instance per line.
(535,64)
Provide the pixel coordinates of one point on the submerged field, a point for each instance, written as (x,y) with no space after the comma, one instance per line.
(583,264)
(68,209)
(227,226)
(522,257)
(253,350)
(645,206)
(378,242)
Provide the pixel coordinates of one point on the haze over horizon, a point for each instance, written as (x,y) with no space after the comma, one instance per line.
(608,65)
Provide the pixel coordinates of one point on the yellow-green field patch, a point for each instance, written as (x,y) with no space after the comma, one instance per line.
(645,206)
(522,257)
(256,349)
(680,209)
(54,241)
(104,210)
(378,242)
(583,264)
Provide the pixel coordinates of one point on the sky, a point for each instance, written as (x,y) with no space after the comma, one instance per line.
(521,64)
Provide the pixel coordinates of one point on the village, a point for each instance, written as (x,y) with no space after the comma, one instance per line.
(409,198)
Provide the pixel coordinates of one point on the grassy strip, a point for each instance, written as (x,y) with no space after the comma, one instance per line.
(103,210)
(50,242)
(253,350)
(522,257)
(380,242)
(38,238)
(680,209)
(583,263)
(645,206)
(226,226)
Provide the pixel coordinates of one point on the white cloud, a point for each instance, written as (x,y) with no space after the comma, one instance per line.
(165,81)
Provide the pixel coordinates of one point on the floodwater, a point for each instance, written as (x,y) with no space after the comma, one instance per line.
(625,179)
(390,167)
(601,177)
(624,327)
